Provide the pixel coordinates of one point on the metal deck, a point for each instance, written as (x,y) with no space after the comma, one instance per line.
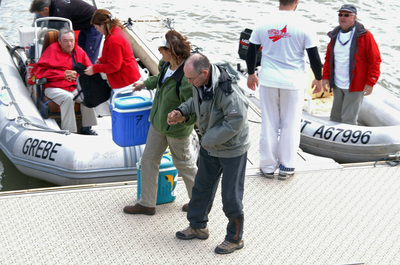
(326,214)
(338,216)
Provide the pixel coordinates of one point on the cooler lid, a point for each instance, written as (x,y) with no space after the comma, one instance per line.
(166,162)
(132,102)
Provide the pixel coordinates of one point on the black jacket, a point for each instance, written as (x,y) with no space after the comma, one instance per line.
(78,11)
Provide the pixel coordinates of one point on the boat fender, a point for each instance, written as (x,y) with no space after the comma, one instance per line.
(21,64)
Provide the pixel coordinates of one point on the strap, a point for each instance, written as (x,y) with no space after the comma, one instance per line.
(77,95)
(73,59)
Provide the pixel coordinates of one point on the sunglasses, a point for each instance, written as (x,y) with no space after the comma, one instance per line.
(345,15)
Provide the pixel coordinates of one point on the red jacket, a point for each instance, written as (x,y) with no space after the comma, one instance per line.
(54,62)
(365,59)
(117,60)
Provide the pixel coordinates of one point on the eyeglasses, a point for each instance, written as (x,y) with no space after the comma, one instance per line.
(193,79)
(345,15)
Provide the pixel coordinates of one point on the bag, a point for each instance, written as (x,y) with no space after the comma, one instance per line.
(95,89)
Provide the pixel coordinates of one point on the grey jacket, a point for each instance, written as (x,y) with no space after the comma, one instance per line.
(221,115)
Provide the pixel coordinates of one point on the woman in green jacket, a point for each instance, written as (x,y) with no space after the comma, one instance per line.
(171,89)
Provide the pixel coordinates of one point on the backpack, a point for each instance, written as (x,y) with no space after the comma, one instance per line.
(94,88)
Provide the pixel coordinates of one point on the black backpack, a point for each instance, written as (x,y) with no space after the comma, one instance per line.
(94,88)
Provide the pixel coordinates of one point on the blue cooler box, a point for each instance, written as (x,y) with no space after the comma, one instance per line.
(167,180)
(130,120)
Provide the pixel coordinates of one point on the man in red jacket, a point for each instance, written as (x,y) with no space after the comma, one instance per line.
(352,65)
(80,13)
(56,65)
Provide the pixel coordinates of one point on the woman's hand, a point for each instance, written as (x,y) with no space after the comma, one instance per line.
(137,86)
(89,71)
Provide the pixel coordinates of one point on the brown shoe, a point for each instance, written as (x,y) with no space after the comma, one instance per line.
(185,207)
(227,247)
(139,209)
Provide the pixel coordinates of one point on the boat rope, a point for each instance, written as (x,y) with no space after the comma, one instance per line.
(391,161)
(20,119)
(26,123)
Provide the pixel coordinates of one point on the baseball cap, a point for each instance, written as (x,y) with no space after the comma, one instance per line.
(162,42)
(349,8)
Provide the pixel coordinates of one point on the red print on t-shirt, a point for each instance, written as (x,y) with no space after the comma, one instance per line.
(276,35)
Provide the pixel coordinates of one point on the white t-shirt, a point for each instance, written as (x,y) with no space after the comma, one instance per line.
(284,36)
(342,59)
(168,73)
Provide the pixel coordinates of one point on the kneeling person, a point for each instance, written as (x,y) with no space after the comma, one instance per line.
(56,65)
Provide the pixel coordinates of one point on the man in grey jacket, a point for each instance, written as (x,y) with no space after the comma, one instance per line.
(221,109)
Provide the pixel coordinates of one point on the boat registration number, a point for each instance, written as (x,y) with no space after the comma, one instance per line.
(337,134)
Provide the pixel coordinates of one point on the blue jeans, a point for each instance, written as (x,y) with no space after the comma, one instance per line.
(89,40)
(205,187)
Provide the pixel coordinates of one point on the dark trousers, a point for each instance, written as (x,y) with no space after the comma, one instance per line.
(89,40)
(205,187)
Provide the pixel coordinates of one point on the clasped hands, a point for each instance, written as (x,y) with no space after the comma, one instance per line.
(175,117)
(70,75)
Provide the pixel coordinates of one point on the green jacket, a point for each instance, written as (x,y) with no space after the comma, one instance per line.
(166,100)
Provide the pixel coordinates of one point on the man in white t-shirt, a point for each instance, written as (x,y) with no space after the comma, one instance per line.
(284,37)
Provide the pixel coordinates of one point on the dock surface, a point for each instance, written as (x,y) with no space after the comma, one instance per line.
(336,216)
(326,214)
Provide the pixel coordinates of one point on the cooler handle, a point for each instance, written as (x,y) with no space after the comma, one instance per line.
(128,90)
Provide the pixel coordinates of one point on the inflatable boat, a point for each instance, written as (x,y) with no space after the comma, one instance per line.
(39,148)
(31,137)
(377,137)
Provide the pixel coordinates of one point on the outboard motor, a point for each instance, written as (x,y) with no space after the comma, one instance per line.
(244,45)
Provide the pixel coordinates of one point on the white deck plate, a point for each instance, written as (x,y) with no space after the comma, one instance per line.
(336,216)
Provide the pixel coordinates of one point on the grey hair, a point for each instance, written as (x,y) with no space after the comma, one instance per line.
(65,31)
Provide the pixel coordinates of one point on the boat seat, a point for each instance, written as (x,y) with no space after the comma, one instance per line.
(53,109)
(50,37)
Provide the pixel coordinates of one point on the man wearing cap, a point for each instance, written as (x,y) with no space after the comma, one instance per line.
(352,65)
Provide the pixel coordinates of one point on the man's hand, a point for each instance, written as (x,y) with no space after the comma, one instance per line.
(317,85)
(70,75)
(252,82)
(325,84)
(175,117)
(367,90)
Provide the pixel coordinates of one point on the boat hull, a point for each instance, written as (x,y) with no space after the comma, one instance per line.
(348,143)
(50,154)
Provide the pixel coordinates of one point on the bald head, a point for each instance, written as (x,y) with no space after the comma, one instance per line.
(197,69)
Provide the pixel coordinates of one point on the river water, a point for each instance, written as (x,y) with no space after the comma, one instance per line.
(215,26)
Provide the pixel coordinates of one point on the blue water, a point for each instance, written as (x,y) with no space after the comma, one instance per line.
(215,25)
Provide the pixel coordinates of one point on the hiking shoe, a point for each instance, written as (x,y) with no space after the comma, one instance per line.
(227,247)
(285,172)
(268,175)
(190,233)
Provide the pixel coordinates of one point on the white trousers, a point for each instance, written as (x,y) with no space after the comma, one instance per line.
(65,100)
(280,127)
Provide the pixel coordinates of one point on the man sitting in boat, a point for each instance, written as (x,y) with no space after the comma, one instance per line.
(80,13)
(56,65)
